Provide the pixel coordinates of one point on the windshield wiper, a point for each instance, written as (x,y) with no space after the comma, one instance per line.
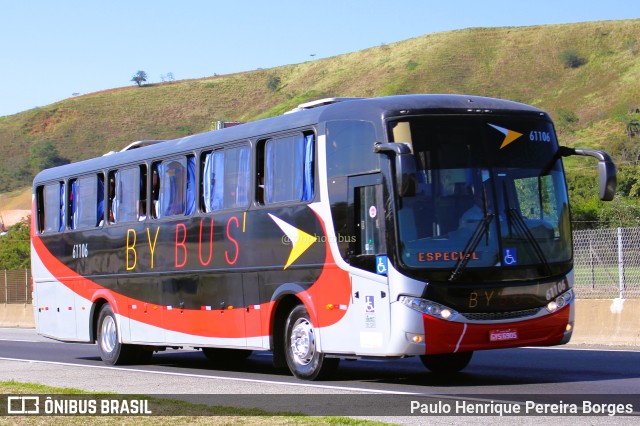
(524,231)
(481,229)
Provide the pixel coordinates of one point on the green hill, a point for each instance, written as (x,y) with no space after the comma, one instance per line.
(586,75)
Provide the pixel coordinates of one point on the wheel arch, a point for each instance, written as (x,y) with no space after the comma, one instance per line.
(96,307)
(284,299)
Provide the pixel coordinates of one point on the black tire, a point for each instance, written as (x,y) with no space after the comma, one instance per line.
(303,360)
(226,356)
(112,351)
(447,363)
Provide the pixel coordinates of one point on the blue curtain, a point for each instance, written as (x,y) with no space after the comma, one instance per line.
(191,185)
(298,170)
(207,183)
(75,205)
(115,204)
(62,204)
(307,193)
(244,171)
(217,180)
(100,210)
(159,207)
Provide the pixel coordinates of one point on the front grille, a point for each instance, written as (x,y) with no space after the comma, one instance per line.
(489,316)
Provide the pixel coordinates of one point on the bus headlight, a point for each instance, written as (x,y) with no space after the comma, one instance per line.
(428,307)
(560,301)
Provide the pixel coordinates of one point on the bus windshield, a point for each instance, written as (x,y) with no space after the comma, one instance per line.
(490,194)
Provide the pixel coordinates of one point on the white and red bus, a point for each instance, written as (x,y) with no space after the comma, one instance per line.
(418,225)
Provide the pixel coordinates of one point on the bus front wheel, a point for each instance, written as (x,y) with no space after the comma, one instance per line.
(446,363)
(112,351)
(303,358)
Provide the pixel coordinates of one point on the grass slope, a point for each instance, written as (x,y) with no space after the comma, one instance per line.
(518,63)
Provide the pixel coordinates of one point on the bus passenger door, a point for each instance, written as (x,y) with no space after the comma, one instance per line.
(369,258)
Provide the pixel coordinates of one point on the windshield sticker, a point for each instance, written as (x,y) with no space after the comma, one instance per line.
(381,265)
(439,256)
(509,256)
(370,304)
(509,135)
(373,212)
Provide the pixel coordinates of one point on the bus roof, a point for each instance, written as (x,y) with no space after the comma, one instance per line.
(308,114)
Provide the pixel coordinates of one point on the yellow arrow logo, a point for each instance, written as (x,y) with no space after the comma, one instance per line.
(509,135)
(299,240)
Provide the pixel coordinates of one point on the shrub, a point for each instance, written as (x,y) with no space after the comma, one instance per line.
(571,59)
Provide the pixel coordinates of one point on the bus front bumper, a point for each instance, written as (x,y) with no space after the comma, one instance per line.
(443,336)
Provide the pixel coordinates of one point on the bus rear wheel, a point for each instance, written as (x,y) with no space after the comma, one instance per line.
(303,358)
(112,351)
(447,363)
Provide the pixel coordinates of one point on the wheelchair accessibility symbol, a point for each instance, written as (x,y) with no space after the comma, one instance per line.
(509,256)
(381,265)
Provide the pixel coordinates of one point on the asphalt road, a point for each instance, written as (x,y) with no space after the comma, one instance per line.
(503,375)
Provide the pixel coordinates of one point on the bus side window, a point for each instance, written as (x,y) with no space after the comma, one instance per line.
(238,177)
(40,209)
(212,181)
(173,181)
(49,208)
(288,169)
(127,195)
(226,179)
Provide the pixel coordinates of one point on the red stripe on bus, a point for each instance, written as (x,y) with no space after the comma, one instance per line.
(332,286)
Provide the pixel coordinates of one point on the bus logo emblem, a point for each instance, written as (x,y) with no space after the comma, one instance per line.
(299,240)
(509,135)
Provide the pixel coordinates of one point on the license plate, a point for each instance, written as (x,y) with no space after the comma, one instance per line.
(502,335)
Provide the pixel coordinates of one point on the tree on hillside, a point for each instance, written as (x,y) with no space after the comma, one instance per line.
(15,246)
(139,77)
(44,155)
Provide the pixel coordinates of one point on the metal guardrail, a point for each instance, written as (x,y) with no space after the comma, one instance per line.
(607,266)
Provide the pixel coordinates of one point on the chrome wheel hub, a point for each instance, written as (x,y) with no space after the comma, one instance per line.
(302,342)
(108,334)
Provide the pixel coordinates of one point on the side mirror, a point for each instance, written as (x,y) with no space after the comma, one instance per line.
(607,180)
(405,166)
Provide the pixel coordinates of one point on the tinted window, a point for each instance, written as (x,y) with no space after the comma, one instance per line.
(52,203)
(226,178)
(83,202)
(288,169)
(350,148)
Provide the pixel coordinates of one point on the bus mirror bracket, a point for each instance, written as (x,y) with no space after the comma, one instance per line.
(405,166)
(607,180)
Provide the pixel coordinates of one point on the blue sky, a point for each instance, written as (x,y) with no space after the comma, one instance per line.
(54,49)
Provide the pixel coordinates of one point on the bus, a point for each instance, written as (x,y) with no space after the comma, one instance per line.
(348,228)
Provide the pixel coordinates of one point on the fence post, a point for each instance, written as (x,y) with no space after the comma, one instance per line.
(592,265)
(6,288)
(26,286)
(620,264)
